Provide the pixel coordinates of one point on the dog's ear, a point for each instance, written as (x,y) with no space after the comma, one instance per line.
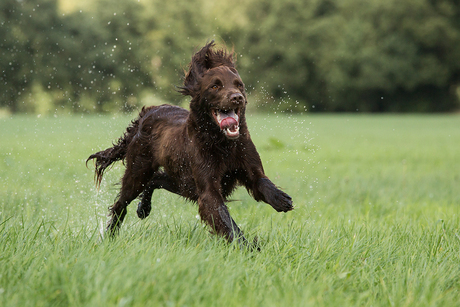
(205,59)
(196,70)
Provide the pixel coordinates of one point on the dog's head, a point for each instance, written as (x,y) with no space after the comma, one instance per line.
(216,89)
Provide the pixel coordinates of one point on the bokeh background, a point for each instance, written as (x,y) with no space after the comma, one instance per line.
(69,56)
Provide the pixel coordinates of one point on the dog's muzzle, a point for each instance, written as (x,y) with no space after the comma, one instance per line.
(228,121)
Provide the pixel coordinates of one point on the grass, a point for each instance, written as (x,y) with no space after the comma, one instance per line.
(376,220)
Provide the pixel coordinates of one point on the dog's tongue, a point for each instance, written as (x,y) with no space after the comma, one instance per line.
(228,122)
(227,119)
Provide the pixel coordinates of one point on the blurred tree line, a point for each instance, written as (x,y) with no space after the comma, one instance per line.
(316,55)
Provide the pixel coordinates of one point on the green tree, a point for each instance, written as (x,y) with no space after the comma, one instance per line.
(325,55)
(107,55)
(347,55)
(87,63)
(401,51)
(21,25)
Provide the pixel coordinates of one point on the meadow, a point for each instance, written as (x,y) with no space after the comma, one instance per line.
(376,219)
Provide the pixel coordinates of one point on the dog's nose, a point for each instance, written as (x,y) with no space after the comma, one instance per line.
(236,98)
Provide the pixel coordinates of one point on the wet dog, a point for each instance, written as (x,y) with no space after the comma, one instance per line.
(202,154)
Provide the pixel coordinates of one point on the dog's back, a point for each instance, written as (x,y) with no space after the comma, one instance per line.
(155,121)
(162,136)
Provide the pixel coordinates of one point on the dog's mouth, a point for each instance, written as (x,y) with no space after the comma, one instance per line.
(228,121)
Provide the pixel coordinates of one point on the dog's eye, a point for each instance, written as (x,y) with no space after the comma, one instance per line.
(215,87)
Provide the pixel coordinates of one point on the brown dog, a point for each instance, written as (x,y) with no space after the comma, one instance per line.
(202,154)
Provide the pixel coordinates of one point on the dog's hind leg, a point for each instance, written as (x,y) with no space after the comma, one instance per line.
(158,181)
(132,185)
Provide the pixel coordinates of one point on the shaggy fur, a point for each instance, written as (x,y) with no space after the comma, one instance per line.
(202,154)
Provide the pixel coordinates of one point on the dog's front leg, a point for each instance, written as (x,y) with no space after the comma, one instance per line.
(265,190)
(215,213)
(258,184)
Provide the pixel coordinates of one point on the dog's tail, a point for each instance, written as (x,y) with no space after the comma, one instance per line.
(106,158)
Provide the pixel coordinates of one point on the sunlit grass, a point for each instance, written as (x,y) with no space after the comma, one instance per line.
(376,219)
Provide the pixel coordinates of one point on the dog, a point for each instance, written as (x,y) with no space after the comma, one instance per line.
(202,154)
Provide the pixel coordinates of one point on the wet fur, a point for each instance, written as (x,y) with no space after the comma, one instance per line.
(186,153)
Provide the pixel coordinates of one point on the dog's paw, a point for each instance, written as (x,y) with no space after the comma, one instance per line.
(143,210)
(282,202)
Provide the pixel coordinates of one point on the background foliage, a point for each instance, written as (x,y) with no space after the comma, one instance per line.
(316,55)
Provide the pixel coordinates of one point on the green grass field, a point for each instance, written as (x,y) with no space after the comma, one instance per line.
(376,219)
